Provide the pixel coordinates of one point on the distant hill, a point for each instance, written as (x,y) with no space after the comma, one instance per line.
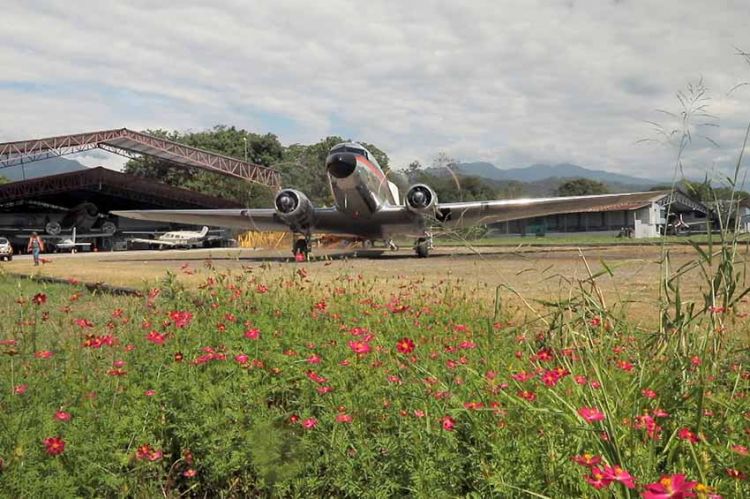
(52,166)
(540,172)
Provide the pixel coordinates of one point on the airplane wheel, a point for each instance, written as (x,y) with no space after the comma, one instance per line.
(300,247)
(422,248)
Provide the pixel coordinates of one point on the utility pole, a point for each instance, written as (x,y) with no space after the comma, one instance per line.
(245,140)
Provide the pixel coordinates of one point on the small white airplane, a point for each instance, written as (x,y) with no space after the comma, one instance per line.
(368,206)
(70,244)
(177,239)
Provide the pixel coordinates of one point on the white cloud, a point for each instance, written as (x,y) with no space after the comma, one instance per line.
(513,82)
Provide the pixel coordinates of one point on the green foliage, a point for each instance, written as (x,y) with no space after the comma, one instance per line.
(301,166)
(3,180)
(581,187)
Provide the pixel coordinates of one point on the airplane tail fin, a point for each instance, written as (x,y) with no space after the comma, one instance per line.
(204,231)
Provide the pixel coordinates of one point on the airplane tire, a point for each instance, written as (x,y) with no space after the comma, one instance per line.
(300,246)
(422,248)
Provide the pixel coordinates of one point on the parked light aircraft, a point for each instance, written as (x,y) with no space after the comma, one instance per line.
(70,244)
(368,206)
(177,239)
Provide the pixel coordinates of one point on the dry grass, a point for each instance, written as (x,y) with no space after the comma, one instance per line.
(548,274)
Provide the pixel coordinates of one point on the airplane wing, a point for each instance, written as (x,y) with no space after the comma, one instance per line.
(260,219)
(151,241)
(484,212)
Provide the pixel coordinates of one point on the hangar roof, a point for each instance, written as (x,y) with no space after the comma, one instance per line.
(633,201)
(108,190)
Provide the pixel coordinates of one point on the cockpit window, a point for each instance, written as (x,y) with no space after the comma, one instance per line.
(355,150)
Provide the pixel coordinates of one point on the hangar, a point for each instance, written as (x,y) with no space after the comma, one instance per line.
(83,199)
(645,214)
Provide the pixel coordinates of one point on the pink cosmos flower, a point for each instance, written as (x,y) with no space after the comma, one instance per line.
(241,358)
(149,393)
(598,479)
(686,434)
(155,337)
(252,334)
(20,389)
(670,487)
(448,423)
(740,449)
(360,347)
(617,474)
(54,446)
(39,299)
(343,418)
(62,416)
(591,414)
(648,393)
(309,423)
(588,460)
(313,359)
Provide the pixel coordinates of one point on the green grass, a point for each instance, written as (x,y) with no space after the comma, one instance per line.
(577,240)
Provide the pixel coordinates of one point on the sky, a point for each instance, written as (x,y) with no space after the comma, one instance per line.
(512,82)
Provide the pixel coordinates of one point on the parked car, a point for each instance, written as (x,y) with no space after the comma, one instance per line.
(6,250)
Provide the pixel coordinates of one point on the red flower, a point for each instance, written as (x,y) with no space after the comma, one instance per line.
(360,347)
(252,334)
(181,318)
(155,337)
(736,474)
(591,414)
(648,393)
(39,299)
(740,449)
(241,358)
(147,453)
(43,354)
(448,423)
(309,423)
(527,395)
(598,479)
(405,345)
(617,474)
(686,434)
(20,389)
(84,323)
(670,487)
(62,416)
(343,418)
(149,393)
(189,473)
(588,460)
(54,446)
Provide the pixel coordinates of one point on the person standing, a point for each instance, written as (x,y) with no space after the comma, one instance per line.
(36,246)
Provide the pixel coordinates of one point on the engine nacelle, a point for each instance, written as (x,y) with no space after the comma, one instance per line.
(294,208)
(420,198)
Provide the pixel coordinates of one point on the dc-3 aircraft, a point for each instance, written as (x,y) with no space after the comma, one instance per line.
(177,239)
(367,206)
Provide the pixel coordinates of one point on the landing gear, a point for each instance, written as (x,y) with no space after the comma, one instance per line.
(423,245)
(301,248)
(391,245)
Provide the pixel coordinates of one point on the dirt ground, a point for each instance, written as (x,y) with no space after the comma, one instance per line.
(524,275)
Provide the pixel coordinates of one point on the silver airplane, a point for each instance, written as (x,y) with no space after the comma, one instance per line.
(368,206)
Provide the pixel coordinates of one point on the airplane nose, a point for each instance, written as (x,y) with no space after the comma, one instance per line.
(341,164)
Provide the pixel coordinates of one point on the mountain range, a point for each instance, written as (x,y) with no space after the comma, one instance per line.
(539,172)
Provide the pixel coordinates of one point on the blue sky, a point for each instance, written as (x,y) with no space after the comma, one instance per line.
(511,82)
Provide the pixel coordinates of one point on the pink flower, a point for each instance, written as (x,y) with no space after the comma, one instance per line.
(588,460)
(648,393)
(591,414)
(360,347)
(181,318)
(740,449)
(309,423)
(252,334)
(343,418)
(448,423)
(189,473)
(670,487)
(149,393)
(405,346)
(62,416)
(598,479)
(313,359)
(617,474)
(20,389)
(43,354)
(54,446)
(155,337)
(686,434)
(39,299)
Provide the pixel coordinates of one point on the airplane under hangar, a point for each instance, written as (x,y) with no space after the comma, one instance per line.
(54,205)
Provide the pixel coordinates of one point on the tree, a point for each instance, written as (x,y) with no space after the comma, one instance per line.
(3,180)
(581,187)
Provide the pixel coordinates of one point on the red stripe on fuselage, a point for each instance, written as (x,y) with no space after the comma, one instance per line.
(374,169)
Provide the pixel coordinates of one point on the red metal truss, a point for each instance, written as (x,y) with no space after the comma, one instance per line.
(129,143)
